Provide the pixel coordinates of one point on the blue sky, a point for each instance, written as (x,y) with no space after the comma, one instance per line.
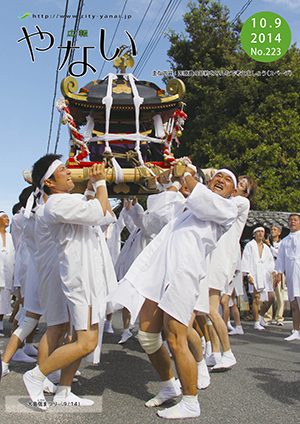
(27,88)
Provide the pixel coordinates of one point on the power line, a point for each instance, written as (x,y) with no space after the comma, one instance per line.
(74,40)
(157,34)
(56,78)
(143,19)
(154,20)
(160,36)
(157,29)
(76,28)
(246,5)
(113,37)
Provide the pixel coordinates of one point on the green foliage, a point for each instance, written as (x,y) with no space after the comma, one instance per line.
(248,122)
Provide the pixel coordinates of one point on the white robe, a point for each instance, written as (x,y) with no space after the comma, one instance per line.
(83,259)
(6,273)
(128,220)
(237,283)
(169,269)
(223,259)
(161,208)
(120,263)
(260,268)
(135,242)
(275,248)
(113,236)
(31,299)
(21,265)
(52,299)
(288,262)
(16,227)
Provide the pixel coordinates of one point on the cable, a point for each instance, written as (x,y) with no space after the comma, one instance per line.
(157,34)
(152,23)
(76,27)
(158,26)
(56,78)
(157,37)
(143,19)
(74,40)
(113,37)
(246,5)
(160,36)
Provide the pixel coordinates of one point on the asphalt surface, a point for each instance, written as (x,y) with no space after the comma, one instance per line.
(264,386)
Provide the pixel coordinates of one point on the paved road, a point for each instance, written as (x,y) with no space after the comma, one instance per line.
(264,386)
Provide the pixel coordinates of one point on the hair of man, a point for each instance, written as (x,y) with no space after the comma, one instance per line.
(40,168)
(293,214)
(277,226)
(16,208)
(252,185)
(25,193)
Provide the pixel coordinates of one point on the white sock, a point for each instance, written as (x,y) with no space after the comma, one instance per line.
(217,356)
(208,350)
(63,390)
(4,366)
(37,374)
(126,330)
(201,363)
(260,318)
(239,327)
(188,407)
(28,344)
(203,378)
(169,390)
(189,398)
(227,353)
(169,383)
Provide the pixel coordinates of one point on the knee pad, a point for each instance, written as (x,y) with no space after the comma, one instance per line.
(150,342)
(26,327)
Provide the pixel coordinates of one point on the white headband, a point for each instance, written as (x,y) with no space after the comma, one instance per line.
(55,164)
(50,171)
(3,213)
(247,184)
(231,174)
(258,229)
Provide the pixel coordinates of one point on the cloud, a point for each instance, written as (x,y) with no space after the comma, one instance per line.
(293,4)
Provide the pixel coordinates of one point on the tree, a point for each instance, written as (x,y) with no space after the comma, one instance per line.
(248,122)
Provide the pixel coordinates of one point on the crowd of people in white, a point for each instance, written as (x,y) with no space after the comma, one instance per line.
(182,258)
